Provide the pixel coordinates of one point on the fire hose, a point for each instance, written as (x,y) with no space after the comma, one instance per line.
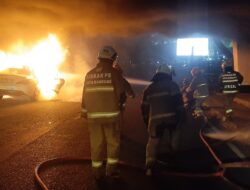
(219,173)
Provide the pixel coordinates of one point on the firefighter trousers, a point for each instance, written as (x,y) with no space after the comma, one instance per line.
(155,140)
(104,141)
(229,103)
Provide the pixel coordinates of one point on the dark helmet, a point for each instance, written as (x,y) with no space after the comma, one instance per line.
(164,69)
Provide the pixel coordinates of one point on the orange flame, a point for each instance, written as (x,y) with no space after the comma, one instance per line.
(43,60)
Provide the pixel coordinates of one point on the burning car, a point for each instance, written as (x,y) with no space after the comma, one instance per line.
(18,82)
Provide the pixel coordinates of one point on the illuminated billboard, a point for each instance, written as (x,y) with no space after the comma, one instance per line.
(192,46)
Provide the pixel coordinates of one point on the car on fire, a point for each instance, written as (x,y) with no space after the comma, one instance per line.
(20,81)
(17,82)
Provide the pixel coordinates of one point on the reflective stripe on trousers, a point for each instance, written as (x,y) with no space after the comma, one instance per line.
(97,164)
(112,161)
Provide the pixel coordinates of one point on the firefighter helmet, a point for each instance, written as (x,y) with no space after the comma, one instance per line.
(107,52)
(226,64)
(164,69)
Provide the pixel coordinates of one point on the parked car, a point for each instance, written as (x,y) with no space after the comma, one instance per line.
(17,82)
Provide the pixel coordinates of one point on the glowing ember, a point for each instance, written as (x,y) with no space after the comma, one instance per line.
(43,60)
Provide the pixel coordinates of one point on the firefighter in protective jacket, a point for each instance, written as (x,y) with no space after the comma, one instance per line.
(162,109)
(101,103)
(230,81)
(199,87)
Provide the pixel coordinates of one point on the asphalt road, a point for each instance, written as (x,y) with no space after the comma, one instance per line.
(33,132)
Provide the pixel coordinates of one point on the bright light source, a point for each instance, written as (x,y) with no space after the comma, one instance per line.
(192,46)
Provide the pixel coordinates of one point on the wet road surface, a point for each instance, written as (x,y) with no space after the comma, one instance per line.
(33,132)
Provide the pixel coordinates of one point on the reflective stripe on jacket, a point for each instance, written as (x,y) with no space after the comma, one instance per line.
(102,90)
(199,87)
(160,103)
(230,83)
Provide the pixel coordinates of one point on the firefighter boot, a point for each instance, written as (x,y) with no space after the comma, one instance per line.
(150,165)
(98,172)
(99,175)
(112,171)
(228,114)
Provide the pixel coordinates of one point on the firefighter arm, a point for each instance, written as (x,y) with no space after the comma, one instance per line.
(192,85)
(83,106)
(120,89)
(178,102)
(220,84)
(122,101)
(128,89)
(240,77)
(145,109)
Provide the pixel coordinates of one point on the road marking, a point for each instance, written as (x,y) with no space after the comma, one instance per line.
(232,146)
(236,150)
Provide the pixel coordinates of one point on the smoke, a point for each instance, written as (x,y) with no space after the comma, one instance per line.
(241,135)
(30,20)
(84,26)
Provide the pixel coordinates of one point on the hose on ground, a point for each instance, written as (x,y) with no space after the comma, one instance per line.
(219,173)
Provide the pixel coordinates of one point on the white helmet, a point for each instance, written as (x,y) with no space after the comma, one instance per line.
(164,69)
(195,71)
(107,52)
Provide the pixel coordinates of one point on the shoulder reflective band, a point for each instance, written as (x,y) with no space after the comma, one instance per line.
(99,88)
(159,116)
(158,95)
(97,164)
(112,160)
(200,85)
(230,91)
(94,115)
(84,110)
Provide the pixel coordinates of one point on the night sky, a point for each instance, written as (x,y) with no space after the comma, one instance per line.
(30,20)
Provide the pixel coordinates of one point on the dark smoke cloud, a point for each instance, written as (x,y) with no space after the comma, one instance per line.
(30,20)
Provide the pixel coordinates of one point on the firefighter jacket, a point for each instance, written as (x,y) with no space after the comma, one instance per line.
(199,86)
(230,82)
(102,93)
(162,102)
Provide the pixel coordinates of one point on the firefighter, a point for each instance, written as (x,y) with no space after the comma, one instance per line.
(102,91)
(230,81)
(162,110)
(187,96)
(199,88)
